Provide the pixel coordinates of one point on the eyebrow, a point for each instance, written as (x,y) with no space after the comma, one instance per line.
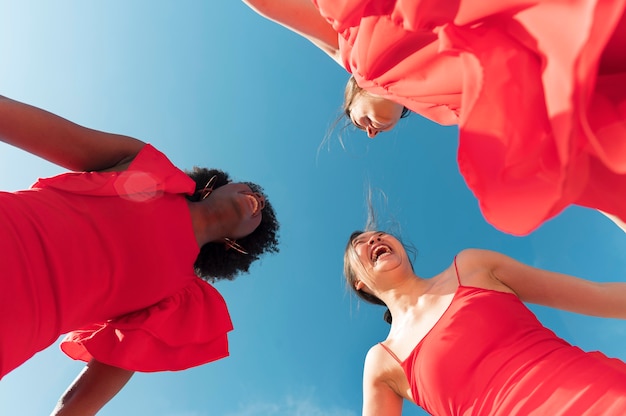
(359,239)
(355,123)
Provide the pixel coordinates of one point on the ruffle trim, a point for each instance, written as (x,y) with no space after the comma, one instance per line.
(185,330)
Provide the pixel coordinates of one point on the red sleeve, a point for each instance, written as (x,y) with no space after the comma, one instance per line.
(185,330)
(150,174)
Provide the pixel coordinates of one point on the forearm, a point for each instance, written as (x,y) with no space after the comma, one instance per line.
(621,224)
(94,387)
(303,18)
(61,141)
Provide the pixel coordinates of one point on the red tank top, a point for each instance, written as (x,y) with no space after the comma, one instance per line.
(489,355)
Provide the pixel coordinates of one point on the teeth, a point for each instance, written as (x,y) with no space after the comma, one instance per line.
(379,251)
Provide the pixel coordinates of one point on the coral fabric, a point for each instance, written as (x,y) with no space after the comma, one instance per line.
(538,89)
(109,256)
(489,355)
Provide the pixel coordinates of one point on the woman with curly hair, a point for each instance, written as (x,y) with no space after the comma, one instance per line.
(117,254)
(537,88)
(462,342)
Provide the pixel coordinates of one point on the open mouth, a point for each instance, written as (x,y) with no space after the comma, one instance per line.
(380,251)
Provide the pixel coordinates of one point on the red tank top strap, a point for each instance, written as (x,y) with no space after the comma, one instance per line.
(395,357)
(456,268)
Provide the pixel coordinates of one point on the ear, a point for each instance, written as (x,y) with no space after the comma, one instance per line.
(358,285)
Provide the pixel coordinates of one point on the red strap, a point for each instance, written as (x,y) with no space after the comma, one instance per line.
(395,357)
(458,278)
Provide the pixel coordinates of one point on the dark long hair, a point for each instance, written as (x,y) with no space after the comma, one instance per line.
(350,274)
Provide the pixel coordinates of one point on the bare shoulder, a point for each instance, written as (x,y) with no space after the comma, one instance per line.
(381,369)
(476,267)
(382,377)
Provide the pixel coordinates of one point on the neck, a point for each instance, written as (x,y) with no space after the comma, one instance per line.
(205,228)
(405,295)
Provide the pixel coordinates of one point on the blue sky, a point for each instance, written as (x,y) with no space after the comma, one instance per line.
(213,84)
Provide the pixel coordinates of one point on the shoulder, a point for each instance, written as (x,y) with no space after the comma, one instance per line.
(474,253)
(384,383)
(479,259)
(379,366)
(375,357)
(478,268)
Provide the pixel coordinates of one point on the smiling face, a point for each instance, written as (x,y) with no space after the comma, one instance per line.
(237,208)
(371,254)
(374,114)
(377,250)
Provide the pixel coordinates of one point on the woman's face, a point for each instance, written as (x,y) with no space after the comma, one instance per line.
(377,252)
(374,114)
(238,209)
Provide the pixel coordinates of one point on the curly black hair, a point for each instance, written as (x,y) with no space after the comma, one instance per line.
(216,261)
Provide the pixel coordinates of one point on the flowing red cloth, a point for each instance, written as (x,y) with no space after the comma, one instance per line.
(109,256)
(538,89)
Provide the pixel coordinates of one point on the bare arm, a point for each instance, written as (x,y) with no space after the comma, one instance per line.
(379,399)
(616,220)
(91,390)
(303,18)
(557,290)
(62,142)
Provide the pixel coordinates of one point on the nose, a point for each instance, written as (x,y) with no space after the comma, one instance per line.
(371,132)
(373,239)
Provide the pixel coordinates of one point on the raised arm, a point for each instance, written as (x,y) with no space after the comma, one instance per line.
(91,390)
(557,290)
(303,18)
(62,142)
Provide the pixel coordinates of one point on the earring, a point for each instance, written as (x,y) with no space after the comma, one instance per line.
(208,188)
(233,244)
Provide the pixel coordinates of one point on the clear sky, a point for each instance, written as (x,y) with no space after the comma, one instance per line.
(213,84)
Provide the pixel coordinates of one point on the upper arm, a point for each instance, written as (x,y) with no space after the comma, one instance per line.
(303,18)
(379,399)
(61,141)
(557,290)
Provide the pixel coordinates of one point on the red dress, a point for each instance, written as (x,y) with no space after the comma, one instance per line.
(538,89)
(488,355)
(109,256)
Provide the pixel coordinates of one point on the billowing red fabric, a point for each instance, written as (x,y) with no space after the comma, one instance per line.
(538,89)
(109,256)
(488,355)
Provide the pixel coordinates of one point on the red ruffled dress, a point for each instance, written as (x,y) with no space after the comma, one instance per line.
(110,257)
(538,89)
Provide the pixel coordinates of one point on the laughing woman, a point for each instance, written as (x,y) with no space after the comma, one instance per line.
(118,253)
(463,342)
(541,112)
